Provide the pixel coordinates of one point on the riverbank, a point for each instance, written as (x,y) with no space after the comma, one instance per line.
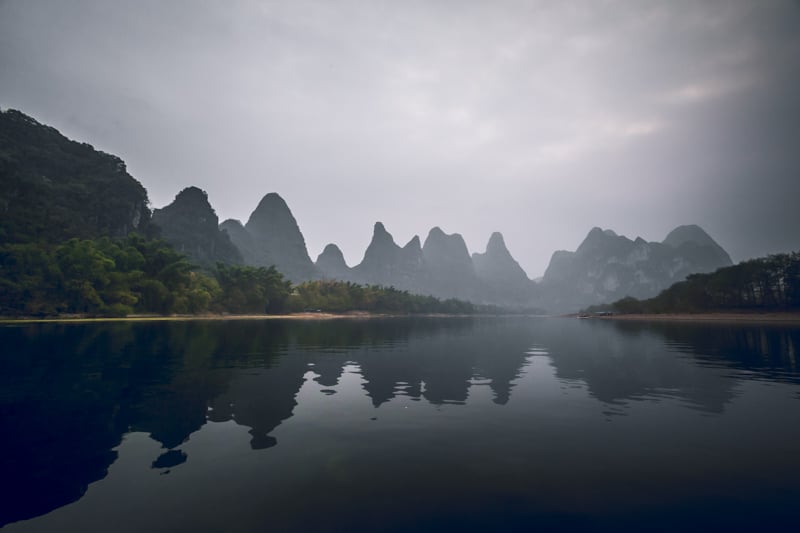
(777,318)
(173,318)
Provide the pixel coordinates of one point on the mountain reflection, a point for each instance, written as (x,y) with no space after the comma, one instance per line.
(70,392)
(620,360)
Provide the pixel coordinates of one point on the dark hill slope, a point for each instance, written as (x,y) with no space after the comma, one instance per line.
(272,237)
(52,188)
(191,225)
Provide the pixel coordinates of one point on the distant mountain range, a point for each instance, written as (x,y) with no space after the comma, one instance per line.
(607,267)
(441,267)
(604,268)
(52,189)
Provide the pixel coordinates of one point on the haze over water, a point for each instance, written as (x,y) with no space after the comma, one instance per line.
(399,424)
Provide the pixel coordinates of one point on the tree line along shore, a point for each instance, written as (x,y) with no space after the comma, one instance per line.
(137,275)
(763,287)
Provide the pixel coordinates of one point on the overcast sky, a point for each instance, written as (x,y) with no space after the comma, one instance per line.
(536,119)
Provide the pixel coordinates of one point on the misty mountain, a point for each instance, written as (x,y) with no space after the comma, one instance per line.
(241,239)
(53,189)
(607,267)
(692,241)
(442,267)
(272,237)
(331,264)
(449,268)
(191,226)
(502,276)
(386,263)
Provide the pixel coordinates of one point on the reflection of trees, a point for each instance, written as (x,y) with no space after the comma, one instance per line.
(71,391)
(767,350)
(625,361)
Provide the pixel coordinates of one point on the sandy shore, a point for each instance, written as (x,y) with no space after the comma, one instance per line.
(159,318)
(786,318)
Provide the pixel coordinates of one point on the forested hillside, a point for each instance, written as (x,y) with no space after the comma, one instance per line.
(76,237)
(107,277)
(53,189)
(765,284)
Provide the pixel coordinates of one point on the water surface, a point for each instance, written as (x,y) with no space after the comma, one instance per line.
(399,424)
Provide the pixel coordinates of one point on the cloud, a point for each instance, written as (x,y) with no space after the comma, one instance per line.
(539,119)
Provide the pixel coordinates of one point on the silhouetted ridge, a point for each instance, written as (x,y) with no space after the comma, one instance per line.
(53,189)
(331,264)
(607,267)
(240,238)
(504,278)
(442,267)
(448,265)
(382,263)
(693,236)
(275,239)
(190,224)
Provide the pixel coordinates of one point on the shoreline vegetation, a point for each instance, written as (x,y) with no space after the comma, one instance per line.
(762,289)
(716,317)
(788,317)
(136,276)
(352,315)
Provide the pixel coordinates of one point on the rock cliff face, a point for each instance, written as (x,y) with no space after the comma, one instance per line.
(502,276)
(691,241)
(607,267)
(331,264)
(241,239)
(386,263)
(448,266)
(272,237)
(442,267)
(53,189)
(190,225)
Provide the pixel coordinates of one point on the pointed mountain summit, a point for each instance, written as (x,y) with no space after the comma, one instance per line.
(240,238)
(383,262)
(381,237)
(190,224)
(693,236)
(273,238)
(497,261)
(689,233)
(411,260)
(500,271)
(380,254)
(448,265)
(331,264)
(607,267)
(447,251)
(413,246)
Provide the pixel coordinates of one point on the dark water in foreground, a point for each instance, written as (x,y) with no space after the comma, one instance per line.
(399,425)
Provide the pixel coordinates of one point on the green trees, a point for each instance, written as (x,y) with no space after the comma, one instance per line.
(341,296)
(769,283)
(29,280)
(107,277)
(53,189)
(246,289)
(103,277)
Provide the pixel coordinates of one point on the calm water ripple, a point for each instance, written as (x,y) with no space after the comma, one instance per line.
(399,424)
